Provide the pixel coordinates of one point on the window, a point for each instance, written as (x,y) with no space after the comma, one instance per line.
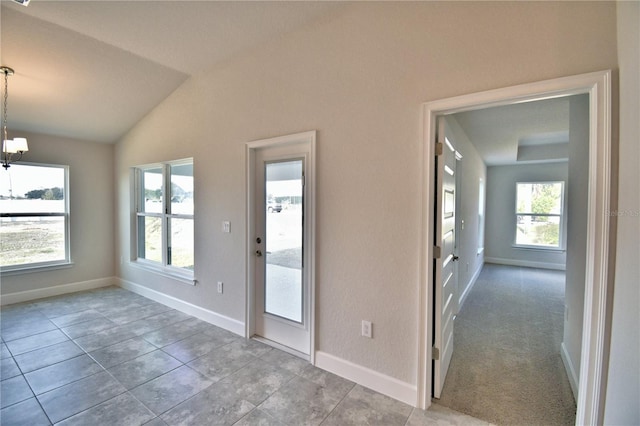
(539,221)
(34,228)
(164,216)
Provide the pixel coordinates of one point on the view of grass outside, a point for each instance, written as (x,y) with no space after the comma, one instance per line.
(182,243)
(33,207)
(177,216)
(539,214)
(31,240)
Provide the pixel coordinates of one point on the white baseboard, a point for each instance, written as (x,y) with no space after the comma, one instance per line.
(467,290)
(27,295)
(525,263)
(207,315)
(368,378)
(571,371)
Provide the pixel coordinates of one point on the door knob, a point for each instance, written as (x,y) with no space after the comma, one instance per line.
(455,258)
(258,253)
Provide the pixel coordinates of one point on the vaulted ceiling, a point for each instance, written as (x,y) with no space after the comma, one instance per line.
(91,70)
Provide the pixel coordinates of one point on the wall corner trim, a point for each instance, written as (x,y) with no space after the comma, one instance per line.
(386,385)
(207,315)
(571,371)
(56,290)
(472,282)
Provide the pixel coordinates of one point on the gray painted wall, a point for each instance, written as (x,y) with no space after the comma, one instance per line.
(501,202)
(577,198)
(358,78)
(623,390)
(91,195)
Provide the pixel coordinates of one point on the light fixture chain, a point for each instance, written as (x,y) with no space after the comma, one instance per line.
(6,96)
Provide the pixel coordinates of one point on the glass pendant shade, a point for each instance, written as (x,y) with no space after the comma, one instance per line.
(13,146)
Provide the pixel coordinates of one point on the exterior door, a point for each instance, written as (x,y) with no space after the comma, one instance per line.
(445,271)
(281,292)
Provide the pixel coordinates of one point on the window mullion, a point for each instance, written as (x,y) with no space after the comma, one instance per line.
(166,210)
(173,230)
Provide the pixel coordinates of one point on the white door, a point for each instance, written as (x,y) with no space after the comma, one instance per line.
(282,290)
(445,285)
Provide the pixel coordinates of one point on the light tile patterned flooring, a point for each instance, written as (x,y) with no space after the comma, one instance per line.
(112,357)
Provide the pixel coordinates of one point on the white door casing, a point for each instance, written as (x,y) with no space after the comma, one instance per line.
(594,351)
(290,330)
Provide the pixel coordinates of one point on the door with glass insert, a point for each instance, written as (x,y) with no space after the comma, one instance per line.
(281,288)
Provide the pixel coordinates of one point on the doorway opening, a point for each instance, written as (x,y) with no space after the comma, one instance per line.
(598,87)
(515,350)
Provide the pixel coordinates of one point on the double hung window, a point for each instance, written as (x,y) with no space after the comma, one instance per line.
(164,216)
(34,210)
(539,214)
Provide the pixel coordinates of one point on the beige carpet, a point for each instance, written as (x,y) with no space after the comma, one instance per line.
(506,366)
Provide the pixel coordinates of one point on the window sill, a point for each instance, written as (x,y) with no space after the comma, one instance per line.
(165,272)
(538,248)
(40,268)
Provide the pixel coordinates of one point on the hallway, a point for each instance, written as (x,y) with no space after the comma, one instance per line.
(506,366)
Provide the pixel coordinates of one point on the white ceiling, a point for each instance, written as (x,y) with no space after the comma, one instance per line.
(497,132)
(92,69)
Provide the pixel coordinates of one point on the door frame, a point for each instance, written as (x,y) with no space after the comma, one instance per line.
(304,138)
(594,352)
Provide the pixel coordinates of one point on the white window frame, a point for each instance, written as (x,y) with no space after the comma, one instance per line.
(560,215)
(54,264)
(163,267)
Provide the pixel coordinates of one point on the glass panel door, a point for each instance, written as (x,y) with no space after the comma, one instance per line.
(281,245)
(283,283)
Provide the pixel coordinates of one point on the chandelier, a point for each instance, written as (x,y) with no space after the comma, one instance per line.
(10,147)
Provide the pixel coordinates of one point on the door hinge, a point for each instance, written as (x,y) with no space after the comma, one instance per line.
(437,252)
(435,353)
(439,148)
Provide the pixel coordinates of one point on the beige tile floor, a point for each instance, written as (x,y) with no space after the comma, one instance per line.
(112,357)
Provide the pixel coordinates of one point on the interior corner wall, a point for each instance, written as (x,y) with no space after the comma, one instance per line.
(91,211)
(623,382)
(577,201)
(469,170)
(501,225)
(359,78)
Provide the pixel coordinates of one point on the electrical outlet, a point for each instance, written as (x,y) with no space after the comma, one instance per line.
(366,329)
(220,287)
(226,227)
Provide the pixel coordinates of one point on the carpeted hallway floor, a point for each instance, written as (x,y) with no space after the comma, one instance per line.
(506,366)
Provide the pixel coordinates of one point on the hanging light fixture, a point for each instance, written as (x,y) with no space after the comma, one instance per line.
(10,147)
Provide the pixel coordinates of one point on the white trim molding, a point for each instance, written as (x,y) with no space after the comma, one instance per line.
(570,368)
(207,315)
(56,290)
(591,384)
(526,263)
(472,282)
(368,378)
